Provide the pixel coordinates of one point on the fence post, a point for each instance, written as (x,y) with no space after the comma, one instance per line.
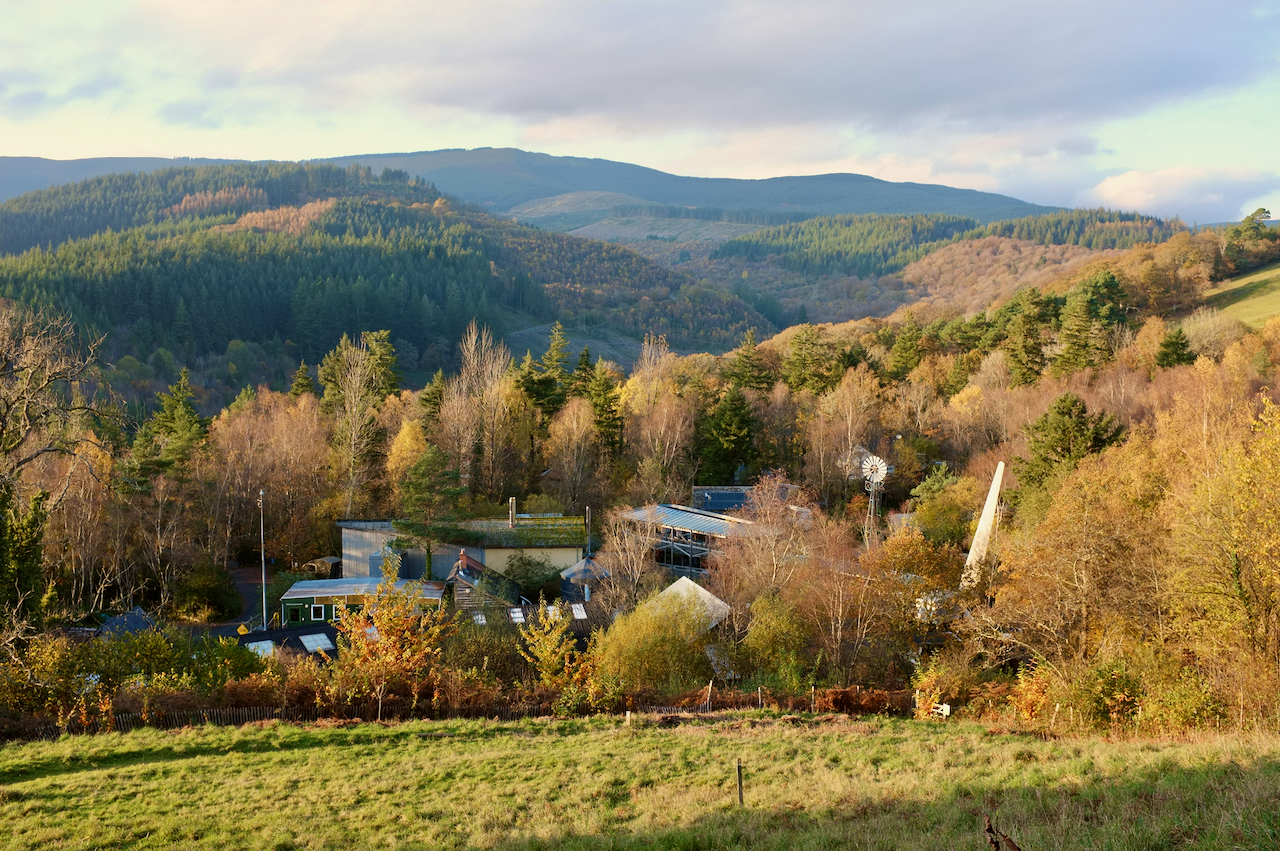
(740,781)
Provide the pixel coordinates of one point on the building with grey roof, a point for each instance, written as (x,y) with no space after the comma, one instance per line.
(686,536)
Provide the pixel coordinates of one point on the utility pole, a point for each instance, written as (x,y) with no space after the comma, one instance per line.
(262,545)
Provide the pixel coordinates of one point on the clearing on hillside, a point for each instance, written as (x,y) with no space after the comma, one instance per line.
(1252,298)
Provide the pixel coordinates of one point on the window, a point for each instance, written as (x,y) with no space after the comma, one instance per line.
(315,642)
(553,613)
(579,611)
(317,613)
(295,614)
(479,618)
(517,615)
(263,648)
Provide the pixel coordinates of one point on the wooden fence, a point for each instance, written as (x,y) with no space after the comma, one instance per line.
(172,720)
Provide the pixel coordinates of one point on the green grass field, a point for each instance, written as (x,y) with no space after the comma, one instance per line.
(595,784)
(1253,298)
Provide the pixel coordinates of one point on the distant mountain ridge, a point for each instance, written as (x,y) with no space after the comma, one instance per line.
(19,175)
(500,179)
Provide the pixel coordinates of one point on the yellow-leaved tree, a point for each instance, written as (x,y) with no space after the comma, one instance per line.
(392,644)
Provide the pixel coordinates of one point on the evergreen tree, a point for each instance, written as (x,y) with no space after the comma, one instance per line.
(604,398)
(1066,433)
(432,396)
(182,327)
(176,428)
(810,362)
(1024,351)
(905,354)
(1083,336)
(582,374)
(430,491)
(21,548)
(384,378)
(386,363)
(243,399)
(302,382)
(552,371)
(1175,350)
(746,368)
(727,439)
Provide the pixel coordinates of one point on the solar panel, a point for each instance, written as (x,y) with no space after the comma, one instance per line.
(479,618)
(262,648)
(316,641)
(553,613)
(372,632)
(579,611)
(517,615)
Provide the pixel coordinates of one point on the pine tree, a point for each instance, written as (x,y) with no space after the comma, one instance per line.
(1175,350)
(1024,352)
(604,398)
(905,354)
(1066,433)
(384,377)
(727,439)
(302,382)
(1083,336)
(176,428)
(21,548)
(810,362)
(746,368)
(582,373)
(182,327)
(552,371)
(432,396)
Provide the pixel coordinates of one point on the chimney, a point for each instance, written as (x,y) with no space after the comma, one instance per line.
(511,512)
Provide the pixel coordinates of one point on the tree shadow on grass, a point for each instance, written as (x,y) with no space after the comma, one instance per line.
(1171,807)
(75,754)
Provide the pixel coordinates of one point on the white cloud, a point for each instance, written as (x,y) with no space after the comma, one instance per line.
(1195,194)
(1001,95)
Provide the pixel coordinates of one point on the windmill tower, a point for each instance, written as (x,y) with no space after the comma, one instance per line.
(874,470)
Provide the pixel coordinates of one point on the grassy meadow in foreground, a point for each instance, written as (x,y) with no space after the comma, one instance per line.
(594,783)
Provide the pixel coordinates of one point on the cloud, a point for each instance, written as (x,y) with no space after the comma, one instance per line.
(1001,95)
(1195,194)
(974,66)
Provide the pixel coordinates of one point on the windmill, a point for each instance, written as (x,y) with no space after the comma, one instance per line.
(874,469)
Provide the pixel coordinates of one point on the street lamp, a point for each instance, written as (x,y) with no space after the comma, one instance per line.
(262,546)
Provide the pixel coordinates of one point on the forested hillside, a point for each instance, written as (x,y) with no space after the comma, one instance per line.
(120,201)
(877,245)
(239,270)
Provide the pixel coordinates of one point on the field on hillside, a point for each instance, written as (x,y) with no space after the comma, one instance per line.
(1252,298)
(831,782)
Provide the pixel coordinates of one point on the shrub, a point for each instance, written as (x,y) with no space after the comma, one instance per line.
(207,594)
(776,640)
(945,677)
(1108,695)
(661,646)
(1030,694)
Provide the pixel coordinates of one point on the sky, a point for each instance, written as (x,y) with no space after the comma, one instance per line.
(1170,108)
